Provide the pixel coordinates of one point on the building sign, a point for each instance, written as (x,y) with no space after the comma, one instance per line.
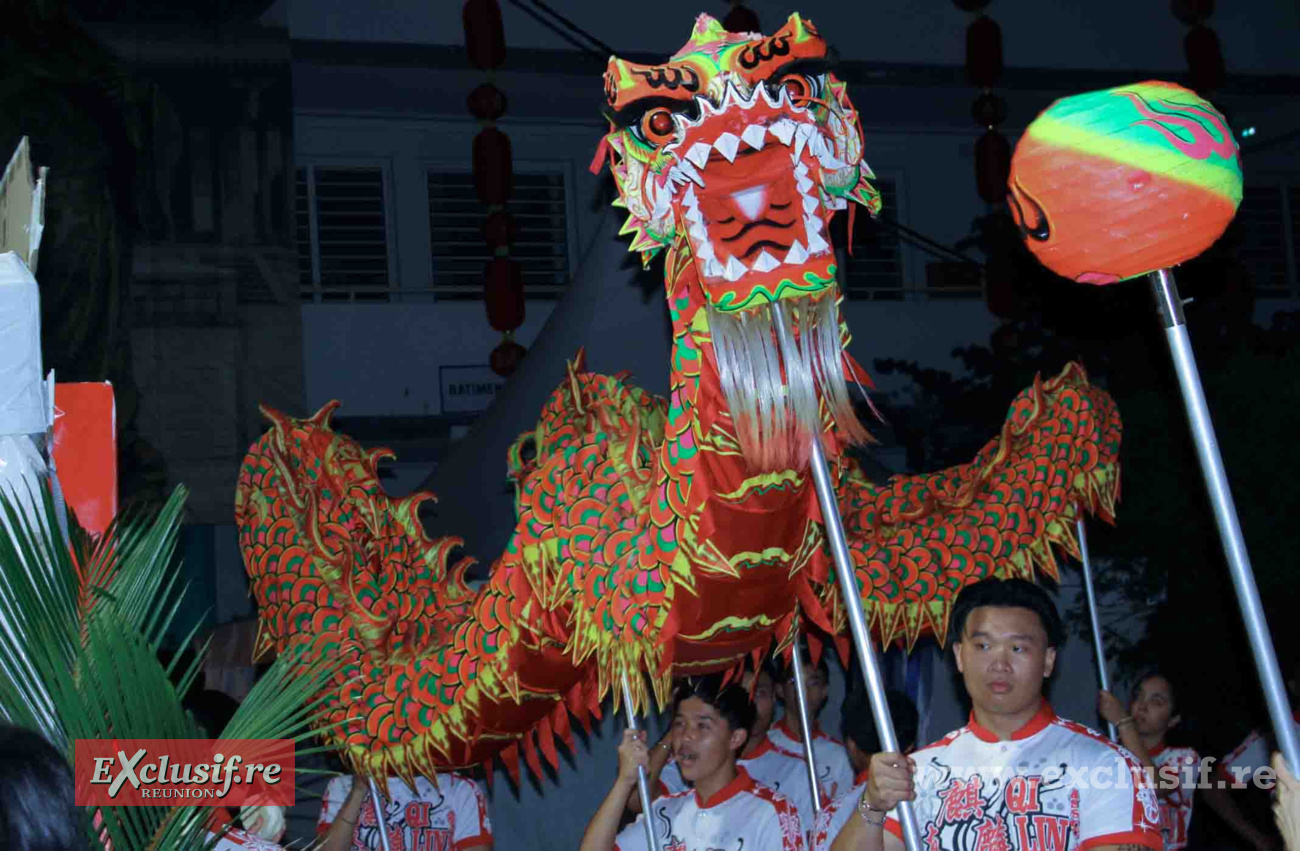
(467,389)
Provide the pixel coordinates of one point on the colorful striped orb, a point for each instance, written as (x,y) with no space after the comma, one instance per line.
(1114,184)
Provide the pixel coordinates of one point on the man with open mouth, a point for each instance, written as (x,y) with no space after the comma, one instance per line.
(725,809)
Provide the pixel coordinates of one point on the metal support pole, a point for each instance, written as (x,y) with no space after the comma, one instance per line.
(378,803)
(1170,308)
(642,785)
(866,652)
(1098,646)
(796,665)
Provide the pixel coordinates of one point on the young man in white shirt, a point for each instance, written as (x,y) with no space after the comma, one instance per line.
(452,814)
(769,765)
(1016,777)
(834,774)
(861,741)
(726,808)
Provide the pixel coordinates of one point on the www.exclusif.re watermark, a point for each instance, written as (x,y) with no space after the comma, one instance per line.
(165,772)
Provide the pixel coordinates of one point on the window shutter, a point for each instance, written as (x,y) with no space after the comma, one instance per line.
(539,204)
(342,228)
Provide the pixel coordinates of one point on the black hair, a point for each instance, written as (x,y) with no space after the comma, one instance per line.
(731,701)
(858,724)
(212,709)
(785,670)
(37,809)
(1007,593)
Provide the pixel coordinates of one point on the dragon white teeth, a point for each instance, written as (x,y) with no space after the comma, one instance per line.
(810,204)
(829,162)
(704,251)
(797,254)
(698,232)
(734,269)
(689,198)
(754,136)
(783,130)
(689,171)
(804,184)
(801,170)
(727,145)
(765,262)
(801,137)
(699,153)
(816,245)
(712,268)
(812,223)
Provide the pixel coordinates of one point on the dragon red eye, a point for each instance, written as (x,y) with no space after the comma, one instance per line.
(658,126)
(798,86)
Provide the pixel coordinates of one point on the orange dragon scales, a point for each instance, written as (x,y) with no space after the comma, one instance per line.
(663,536)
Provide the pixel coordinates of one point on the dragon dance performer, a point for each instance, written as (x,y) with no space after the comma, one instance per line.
(676,536)
(1152,714)
(725,809)
(777,769)
(1016,777)
(862,741)
(831,759)
(451,813)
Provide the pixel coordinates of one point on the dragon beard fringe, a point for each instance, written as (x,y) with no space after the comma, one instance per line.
(777,404)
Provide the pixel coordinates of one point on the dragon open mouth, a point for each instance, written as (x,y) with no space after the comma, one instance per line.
(749,187)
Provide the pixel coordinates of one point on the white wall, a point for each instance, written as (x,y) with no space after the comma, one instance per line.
(1257,36)
(383,359)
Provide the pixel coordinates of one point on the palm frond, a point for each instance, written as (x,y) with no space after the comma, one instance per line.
(81,623)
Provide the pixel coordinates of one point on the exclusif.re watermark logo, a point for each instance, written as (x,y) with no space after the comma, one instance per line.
(168,772)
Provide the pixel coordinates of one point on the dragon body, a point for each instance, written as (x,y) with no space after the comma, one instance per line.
(663,536)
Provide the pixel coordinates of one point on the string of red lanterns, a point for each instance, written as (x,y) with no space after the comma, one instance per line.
(984,69)
(1201,45)
(503,277)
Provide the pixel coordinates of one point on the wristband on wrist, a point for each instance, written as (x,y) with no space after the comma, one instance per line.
(864,808)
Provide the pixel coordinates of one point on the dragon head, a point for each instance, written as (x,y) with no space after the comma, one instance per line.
(744,146)
(735,154)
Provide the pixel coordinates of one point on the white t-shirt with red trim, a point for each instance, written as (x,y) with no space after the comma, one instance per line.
(834,772)
(451,816)
(1176,765)
(741,816)
(1239,767)
(769,766)
(831,820)
(1054,786)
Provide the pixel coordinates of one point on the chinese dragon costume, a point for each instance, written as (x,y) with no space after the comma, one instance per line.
(663,536)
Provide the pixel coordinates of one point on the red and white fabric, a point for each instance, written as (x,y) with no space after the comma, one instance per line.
(834,772)
(1054,786)
(453,815)
(770,766)
(1178,765)
(1238,768)
(742,814)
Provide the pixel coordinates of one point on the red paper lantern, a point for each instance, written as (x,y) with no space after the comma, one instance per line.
(984,52)
(500,229)
(1204,59)
(486,102)
(992,166)
(741,19)
(485,36)
(1192,12)
(503,293)
(493,172)
(505,358)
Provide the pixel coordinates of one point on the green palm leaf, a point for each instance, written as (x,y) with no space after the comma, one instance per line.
(81,622)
